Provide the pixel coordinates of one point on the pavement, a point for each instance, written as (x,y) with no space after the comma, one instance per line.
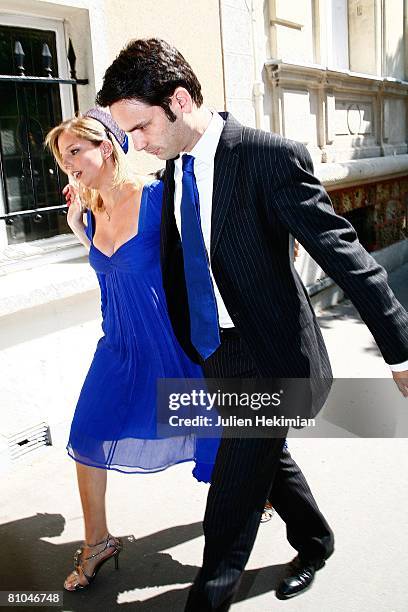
(359,483)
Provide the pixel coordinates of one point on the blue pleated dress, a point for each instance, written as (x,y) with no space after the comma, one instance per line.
(114,425)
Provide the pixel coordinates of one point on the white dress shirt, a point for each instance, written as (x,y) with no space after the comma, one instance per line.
(204,153)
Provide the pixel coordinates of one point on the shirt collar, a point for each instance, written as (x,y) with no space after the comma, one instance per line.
(204,150)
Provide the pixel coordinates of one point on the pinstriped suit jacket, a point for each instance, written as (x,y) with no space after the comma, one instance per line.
(264,189)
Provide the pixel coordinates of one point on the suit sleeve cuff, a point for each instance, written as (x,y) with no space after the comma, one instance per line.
(399,367)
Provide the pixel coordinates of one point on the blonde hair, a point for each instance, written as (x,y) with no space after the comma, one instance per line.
(93,131)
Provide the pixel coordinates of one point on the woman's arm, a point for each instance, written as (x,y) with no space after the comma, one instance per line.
(75,217)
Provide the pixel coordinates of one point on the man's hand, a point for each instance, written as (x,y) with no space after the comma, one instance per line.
(401,380)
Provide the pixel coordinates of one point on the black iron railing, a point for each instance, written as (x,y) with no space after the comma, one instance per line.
(24,83)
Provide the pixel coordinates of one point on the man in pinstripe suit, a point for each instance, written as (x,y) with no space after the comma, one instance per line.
(254,188)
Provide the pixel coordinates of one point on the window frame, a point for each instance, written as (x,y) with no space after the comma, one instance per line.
(67,104)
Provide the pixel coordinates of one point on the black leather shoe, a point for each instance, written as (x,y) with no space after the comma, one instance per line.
(300,579)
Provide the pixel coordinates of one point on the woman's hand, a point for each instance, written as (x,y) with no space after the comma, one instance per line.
(75,209)
(75,214)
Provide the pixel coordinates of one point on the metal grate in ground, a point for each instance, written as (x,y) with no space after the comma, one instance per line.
(28,440)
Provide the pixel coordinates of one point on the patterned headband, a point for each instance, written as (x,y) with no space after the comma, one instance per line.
(110,124)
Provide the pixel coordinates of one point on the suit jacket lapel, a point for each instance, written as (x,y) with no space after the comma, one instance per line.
(225,169)
(169,231)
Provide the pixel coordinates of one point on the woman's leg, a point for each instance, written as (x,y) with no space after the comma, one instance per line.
(92,489)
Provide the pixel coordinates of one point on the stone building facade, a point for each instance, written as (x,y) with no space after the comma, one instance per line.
(331,74)
(328,73)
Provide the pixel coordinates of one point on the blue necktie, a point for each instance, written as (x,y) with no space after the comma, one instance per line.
(201,299)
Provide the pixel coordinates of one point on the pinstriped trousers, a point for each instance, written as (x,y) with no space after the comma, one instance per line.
(246,473)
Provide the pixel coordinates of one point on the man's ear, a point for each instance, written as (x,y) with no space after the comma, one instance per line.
(182,100)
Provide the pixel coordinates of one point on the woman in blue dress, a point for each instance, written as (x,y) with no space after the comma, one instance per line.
(114,425)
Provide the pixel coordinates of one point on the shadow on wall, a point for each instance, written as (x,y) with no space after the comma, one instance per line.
(394,62)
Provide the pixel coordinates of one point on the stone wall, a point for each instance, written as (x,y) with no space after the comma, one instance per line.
(381,209)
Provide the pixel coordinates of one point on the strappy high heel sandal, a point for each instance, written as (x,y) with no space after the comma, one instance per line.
(110,542)
(267,513)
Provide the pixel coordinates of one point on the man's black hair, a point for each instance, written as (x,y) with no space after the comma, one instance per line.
(149,70)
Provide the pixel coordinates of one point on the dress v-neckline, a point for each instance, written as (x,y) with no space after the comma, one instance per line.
(117,250)
(129,239)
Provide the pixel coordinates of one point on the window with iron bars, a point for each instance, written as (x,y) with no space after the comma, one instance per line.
(30,105)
